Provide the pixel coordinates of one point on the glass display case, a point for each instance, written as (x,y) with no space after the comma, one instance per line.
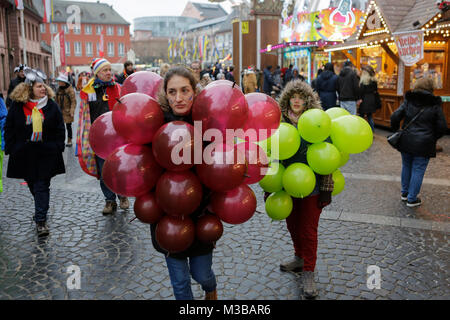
(385,68)
(432,66)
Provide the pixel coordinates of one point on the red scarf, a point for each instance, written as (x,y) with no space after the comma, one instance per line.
(28,109)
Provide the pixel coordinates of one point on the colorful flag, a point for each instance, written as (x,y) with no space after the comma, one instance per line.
(19,4)
(59,50)
(169,50)
(48,11)
(101,50)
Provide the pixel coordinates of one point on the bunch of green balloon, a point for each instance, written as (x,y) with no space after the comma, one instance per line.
(285,142)
(351,134)
(339,182)
(314,125)
(273,180)
(299,180)
(324,158)
(279,205)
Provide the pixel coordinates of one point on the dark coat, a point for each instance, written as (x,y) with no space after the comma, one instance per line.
(326,87)
(268,81)
(348,85)
(12,85)
(33,161)
(420,137)
(198,248)
(367,93)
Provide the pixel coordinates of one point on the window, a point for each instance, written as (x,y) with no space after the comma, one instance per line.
(98,29)
(88,29)
(111,49)
(53,28)
(65,28)
(76,30)
(89,49)
(42,27)
(67,47)
(110,31)
(121,49)
(77,48)
(120,31)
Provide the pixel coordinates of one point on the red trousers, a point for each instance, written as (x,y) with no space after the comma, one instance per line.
(302,224)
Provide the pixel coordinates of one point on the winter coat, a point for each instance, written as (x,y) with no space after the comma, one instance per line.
(65,97)
(120,78)
(368,93)
(33,161)
(268,82)
(326,87)
(3,114)
(250,84)
(420,137)
(12,85)
(348,85)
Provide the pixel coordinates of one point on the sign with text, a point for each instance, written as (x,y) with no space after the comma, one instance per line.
(410,47)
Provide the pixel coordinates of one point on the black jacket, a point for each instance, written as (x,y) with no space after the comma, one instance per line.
(369,102)
(34,161)
(348,85)
(12,85)
(420,137)
(326,87)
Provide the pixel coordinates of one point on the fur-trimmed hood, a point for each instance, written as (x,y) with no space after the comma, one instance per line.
(309,96)
(421,98)
(22,93)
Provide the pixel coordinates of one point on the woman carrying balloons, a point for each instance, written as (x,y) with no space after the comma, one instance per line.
(176,99)
(97,97)
(34,136)
(296,98)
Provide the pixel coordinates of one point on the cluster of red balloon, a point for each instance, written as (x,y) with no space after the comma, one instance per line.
(348,133)
(155,162)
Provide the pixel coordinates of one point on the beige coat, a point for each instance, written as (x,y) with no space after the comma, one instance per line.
(67,102)
(250,84)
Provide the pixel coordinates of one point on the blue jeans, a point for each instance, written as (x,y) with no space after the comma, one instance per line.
(350,106)
(369,120)
(109,195)
(41,194)
(413,170)
(180,271)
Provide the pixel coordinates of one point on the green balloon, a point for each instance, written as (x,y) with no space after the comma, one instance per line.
(344,158)
(272,181)
(286,140)
(337,112)
(351,134)
(279,205)
(314,125)
(299,180)
(339,182)
(323,158)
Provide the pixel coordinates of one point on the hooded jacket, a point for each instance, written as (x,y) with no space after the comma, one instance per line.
(348,85)
(420,137)
(326,87)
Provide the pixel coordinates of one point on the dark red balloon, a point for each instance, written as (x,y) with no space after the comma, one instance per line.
(103,138)
(145,82)
(208,228)
(235,206)
(222,169)
(179,193)
(175,234)
(131,170)
(146,209)
(257,161)
(227,82)
(220,107)
(175,137)
(137,117)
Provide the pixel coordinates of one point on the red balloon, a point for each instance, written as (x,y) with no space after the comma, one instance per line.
(235,206)
(175,234)
(208,228)
(178,135)
(226,82)
(223,169)
(179,193)
(257,161)
(220,107)
(145,82)
(263,114)
(146,209)
(137,117)
(103,138)
(131,170)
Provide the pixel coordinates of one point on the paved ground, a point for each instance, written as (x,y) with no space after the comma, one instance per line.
(365,225)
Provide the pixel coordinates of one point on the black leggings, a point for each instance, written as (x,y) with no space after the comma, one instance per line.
(69,130)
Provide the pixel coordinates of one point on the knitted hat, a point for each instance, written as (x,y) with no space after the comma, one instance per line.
(98,64)
(63,78)
(425,84)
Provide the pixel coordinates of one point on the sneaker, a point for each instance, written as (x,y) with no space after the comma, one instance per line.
(42,229)
(124,203)
(295,265)
(309,285)
(110,207)
(404,196)
(69,143)
(416,203)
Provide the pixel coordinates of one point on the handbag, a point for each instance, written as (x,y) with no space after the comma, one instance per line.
(394,139)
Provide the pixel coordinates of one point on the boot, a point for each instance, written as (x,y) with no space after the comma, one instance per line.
(69,142)
(211,295)
(309,286)
(110,207)
(295,265)
(42,229)
(124,203)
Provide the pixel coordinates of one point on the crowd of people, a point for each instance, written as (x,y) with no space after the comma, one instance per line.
(38,118)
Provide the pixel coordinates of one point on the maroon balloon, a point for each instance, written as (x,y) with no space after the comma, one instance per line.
(220,107)
(137,117)
(235,206)
(175,234)
(208,228)
(257,161)
(145,82)
(227,82)
(176,137)
(131,170)
(146,209)
(179,193)
(263,114)
(222,169)
(103,138)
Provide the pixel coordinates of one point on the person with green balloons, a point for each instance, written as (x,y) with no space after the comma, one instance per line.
(301,204)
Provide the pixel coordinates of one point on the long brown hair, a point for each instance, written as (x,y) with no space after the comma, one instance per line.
(24,92)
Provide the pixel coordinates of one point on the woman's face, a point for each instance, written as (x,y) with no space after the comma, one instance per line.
(39,90)
(297,104)
(180,95)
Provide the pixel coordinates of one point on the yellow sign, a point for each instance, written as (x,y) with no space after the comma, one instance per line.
(244,27)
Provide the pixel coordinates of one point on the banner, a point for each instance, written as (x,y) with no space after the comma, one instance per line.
(48,11)
(410,47)
(19,4)
(59,50)
(101,50)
